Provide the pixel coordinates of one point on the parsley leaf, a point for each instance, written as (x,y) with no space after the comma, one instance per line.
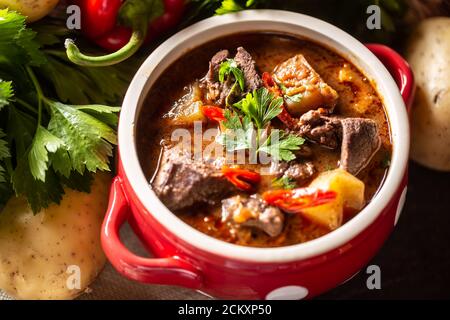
(103,113)
(239,134)
(17,43)
(281,145)
(261,106)
(229,6)
(284,182)
(43,143)
(5,93)
(20,130)
(88,139)
(39,194)
(228,67)
(4,153)
(80,85)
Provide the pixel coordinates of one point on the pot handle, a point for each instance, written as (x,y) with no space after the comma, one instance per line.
(399,69)
(168,271)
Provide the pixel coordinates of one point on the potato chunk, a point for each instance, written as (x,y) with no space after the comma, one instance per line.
(42,255)
(187,109)
(302,86)
(350,194)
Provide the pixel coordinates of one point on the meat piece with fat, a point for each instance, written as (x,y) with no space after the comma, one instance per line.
(320,128)
(360,142)
(253,212)
(181,182)
(246,63)
(358,138)
(300,172)
(217,92)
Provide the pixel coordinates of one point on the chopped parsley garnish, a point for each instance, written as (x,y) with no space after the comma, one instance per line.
(240,134)
(230,67)
(261,106)
(249,127)
(281,146)
(284,183)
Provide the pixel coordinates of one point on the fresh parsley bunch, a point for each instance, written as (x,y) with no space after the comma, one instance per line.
(50,134)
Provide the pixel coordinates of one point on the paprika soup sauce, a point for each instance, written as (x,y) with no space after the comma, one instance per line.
(331,157)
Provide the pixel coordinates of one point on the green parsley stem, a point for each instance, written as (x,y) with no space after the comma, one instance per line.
(26,105)
(74,54)
(40,94)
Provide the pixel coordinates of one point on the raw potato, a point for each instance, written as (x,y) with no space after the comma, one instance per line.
(32,9)
(428,53)
(36,250)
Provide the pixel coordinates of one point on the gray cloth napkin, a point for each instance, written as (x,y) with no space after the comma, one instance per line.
(111,285)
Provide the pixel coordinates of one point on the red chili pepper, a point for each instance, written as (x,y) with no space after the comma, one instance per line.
(99,24)
(295,200)
(243,179)
(213,113)
(287,119)
(270,84)
(284,116)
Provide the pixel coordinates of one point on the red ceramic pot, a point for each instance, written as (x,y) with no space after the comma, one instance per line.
(186,257)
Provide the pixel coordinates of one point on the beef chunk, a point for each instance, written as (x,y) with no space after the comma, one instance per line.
(217,92)
(360,141)
(214,65)
(253,212)
(246,63)
(303,87)
(358,137)
(320,128)
(182,182)
(300,172)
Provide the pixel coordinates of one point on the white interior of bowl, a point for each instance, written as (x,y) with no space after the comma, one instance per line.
(251,21)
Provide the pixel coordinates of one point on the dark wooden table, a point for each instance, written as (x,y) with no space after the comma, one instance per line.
(415,261)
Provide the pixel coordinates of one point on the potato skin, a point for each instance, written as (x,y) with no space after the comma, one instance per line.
(428,53)
(32,9)
(36,250)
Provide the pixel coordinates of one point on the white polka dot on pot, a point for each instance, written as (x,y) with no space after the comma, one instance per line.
(288,293)
(401,203)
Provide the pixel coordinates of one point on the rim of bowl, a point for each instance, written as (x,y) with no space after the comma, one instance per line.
(272,21)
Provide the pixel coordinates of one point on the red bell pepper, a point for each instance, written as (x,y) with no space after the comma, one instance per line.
(295,200)
(122,26)
(243,179)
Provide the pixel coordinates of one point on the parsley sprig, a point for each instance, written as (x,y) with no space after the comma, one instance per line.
(249,128)
(230,67)
(284,182)
(261,106)
(50,134)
